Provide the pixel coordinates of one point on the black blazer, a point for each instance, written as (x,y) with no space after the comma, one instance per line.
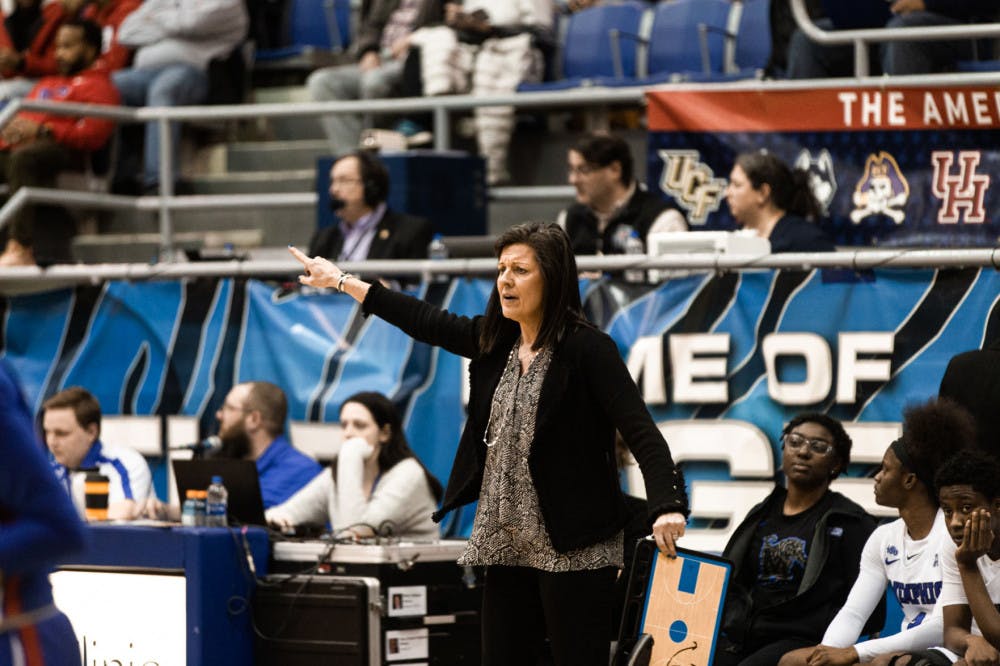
(586,395)
(973,381)
(397,236)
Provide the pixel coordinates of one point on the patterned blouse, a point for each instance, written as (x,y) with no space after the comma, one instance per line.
(509,529)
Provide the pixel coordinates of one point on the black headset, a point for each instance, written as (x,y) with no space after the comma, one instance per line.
(374,177)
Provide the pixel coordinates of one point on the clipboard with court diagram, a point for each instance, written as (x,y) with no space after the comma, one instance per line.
(681,604)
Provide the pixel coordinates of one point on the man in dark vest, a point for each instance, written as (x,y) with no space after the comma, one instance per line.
(610,203)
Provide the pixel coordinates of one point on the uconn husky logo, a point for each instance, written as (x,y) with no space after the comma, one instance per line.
(822,180)
(882,190)
(691,183)
(961,191)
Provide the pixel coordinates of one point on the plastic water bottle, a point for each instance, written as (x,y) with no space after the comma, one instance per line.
(216,504)
(634,246)
(437,250)
(189,510)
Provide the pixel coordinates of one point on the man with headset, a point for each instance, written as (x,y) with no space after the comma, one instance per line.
(366,228)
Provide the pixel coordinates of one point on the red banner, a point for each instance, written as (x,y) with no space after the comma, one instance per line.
(824,109)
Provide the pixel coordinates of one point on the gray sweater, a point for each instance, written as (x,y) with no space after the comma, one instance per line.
(166,32)
(401,496)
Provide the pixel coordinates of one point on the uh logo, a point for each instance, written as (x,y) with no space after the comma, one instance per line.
(961,191)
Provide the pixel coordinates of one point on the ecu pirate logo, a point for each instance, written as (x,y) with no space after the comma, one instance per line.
(882,190)
(691,183)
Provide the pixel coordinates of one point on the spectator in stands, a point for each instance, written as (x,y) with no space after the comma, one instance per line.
(548,391)
(610,202)
(28,45)
(381,47)
(367,229)
(776,202)
(972,379)
(174,40)
(810,60)
(39,528)
(35,145)
(375,484)
(72,425)
(252,427)
(902,554)
(776,601)
(783,26)
(969,492)
(486,48)
(109,14)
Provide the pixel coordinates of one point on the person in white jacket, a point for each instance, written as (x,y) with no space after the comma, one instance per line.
(174,40)
(375,485)
(904,554)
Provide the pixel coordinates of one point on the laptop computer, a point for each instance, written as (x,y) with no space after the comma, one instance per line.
(677,602)
(856,14)
(240,478)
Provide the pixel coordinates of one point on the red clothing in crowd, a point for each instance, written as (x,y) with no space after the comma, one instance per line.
(91,86)
(40,57)
(111,15)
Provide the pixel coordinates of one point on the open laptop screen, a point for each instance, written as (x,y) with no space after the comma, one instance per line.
(240,478)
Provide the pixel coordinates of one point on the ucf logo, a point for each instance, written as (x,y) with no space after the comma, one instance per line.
(691,183)
(962,191)
(882,190)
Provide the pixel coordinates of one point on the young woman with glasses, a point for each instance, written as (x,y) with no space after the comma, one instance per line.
(902,554)
(796,553)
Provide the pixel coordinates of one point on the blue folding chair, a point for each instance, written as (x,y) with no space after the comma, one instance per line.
(687,41)
(592,48)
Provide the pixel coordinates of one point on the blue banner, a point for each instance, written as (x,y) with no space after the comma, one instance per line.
(744,350)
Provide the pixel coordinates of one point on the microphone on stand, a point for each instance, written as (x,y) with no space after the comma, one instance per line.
(207,445)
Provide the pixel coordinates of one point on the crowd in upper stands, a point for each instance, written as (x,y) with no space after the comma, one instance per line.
(169,53)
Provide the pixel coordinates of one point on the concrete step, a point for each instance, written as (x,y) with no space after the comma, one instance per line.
(275,155)
(301,180)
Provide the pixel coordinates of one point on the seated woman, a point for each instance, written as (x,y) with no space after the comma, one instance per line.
(796,553)
(902,554)
(375,485)
(777,203)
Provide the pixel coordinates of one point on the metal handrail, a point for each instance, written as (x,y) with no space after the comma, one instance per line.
(23,278)
(862,38)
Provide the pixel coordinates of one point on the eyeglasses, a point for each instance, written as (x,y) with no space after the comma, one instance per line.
(820,447)
(582,169)
(345,181)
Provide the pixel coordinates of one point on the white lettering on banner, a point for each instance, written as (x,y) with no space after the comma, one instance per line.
(699,366)
(819,367)
(941,108)
(645,364)
(690,372)
(964,191)
(852,369)
(956,108)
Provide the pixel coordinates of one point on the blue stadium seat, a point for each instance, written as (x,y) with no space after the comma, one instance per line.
(313,25)
(688,40)
(752,42)
(600,43)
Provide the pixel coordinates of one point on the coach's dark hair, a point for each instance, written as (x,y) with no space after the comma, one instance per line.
(561,307)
